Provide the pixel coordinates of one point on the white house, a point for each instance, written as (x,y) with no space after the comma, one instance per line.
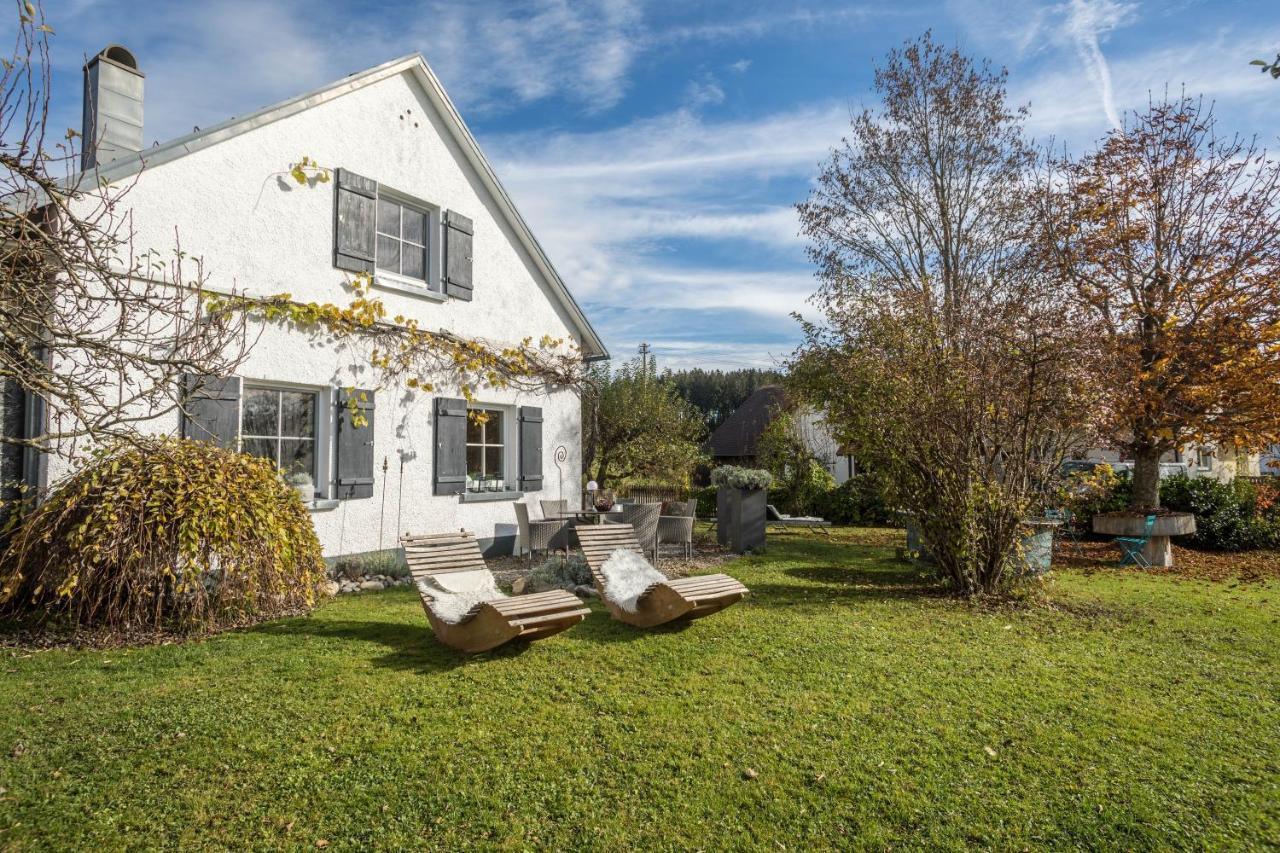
(414,202)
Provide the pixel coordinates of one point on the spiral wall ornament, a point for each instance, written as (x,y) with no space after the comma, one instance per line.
(561,455)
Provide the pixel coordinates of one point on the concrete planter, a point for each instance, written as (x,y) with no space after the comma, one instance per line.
(740,518)
(1159,550)
(1037,544)
(915,539)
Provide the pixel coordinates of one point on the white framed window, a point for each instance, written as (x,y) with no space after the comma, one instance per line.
(286,424)
(407,242)
(1204,458)
(488,443)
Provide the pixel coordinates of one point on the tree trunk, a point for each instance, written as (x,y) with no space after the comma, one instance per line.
(1146,478)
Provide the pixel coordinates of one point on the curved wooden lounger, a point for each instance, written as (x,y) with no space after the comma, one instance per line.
(492,623)
(683,598)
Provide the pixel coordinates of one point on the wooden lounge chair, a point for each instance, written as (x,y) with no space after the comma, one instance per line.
(689,598)
(811,522)
(450,560)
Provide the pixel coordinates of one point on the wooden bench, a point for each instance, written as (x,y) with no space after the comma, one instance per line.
(684,598)
(491,623)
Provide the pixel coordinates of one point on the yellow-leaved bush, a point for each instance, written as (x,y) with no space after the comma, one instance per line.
(163,534)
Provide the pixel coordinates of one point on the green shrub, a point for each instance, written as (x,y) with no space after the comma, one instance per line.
(164,534)
(1227,514)
(741,478)
(804,485)
(858,500)
(560,571)
(1090,493)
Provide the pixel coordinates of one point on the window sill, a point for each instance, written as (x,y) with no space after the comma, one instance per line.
(486,497)
(403,284)
(323,505)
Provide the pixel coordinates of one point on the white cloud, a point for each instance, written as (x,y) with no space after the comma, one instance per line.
(608,205)
(1212,64)
(704,91)
(1088,21)
(487,56)
(740,67)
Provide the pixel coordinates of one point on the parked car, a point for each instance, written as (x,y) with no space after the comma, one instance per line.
(1123,470)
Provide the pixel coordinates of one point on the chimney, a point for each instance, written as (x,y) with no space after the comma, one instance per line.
(112,107)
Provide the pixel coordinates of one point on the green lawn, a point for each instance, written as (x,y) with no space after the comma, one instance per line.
(1145,712)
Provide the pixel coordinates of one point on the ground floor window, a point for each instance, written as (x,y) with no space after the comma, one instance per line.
(280,425)
(486,450)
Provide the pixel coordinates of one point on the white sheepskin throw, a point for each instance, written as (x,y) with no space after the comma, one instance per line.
(453,595)
(627,576)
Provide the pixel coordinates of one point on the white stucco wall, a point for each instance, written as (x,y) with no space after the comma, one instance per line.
(258,231)
(823,445)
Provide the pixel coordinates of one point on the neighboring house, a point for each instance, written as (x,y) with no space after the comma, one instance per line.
(1269,462)
(414,202)
(736,441)
(1221,463)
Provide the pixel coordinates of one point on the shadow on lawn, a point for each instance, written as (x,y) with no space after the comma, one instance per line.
(847,571)
(413,647)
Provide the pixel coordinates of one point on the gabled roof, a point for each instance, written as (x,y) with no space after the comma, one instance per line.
(739,435)
(593,347)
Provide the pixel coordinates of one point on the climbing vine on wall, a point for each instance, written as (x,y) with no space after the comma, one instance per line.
(399,349)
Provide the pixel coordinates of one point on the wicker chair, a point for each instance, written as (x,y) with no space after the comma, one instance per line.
(644,519)
(677,528)
(553,508)
(534,537)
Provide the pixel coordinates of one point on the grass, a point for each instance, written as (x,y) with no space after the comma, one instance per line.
(1142,711)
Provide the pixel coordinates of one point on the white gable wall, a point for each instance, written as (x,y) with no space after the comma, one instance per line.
(234,205)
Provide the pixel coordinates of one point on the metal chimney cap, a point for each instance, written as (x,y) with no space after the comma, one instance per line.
(118,55)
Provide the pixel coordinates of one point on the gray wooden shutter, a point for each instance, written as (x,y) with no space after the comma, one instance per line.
(451,446)
(355,444)
(530,419)
(211,409)
(355,206)
(457,255)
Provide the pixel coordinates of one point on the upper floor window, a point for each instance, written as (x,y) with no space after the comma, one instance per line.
(403,239)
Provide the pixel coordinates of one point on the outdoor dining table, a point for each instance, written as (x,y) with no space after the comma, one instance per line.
(591,516)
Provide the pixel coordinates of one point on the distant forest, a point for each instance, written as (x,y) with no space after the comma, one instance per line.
(716,393)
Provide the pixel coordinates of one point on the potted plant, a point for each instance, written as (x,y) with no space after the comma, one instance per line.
(741,501)
(305,486)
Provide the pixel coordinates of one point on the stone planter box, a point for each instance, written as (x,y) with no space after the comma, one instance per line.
(740,518)
(915,539)
(1159,550)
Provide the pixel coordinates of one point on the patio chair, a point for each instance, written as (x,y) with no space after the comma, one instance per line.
(1131,547)
(662,600)
(466,609)
(1068,530)
(551,509)
(643,519)
(809,522)
(534,537)
(677,527)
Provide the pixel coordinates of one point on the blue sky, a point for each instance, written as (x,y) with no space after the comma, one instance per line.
(657,148)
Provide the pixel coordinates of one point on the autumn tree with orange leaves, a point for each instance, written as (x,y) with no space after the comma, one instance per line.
(1169,236)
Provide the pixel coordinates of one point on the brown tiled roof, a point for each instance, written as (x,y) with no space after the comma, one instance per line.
(740,433)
